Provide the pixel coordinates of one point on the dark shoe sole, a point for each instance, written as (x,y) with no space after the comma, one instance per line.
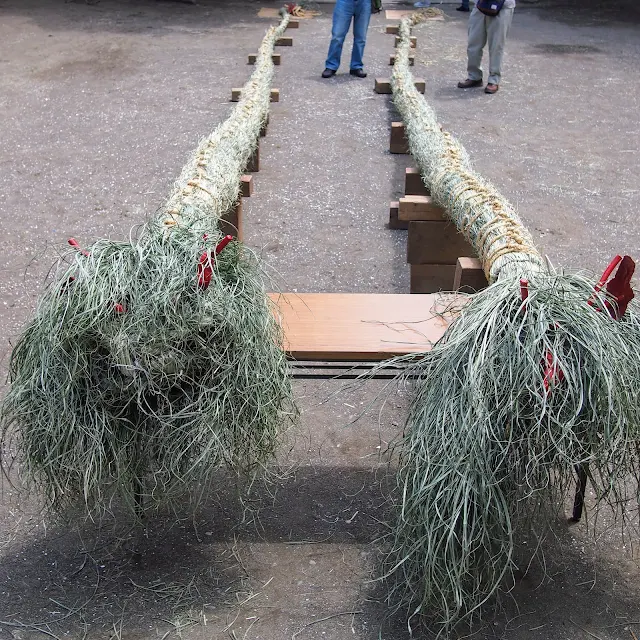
(469,85)
(325,73)
(358,73)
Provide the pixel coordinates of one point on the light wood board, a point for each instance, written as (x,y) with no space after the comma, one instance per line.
(398,14)
(268,12)
(358,326)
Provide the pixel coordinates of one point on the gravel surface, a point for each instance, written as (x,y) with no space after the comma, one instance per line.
(100,104)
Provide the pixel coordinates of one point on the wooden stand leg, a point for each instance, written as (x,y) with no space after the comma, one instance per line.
(394,221)
(231,223)
(397,142)
(253,166)
(469,276)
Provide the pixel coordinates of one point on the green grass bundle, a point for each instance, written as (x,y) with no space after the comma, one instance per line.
(153,362)
(536,377)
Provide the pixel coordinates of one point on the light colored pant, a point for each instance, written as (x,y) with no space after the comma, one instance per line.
(483,29)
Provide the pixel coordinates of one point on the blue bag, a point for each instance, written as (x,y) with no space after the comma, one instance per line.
(489,7)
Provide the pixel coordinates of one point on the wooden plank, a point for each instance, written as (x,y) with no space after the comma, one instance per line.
(271,12)
(419,208)
(435,242)
(293,24)
(469,276)
(412,39)
(431,278)
(246,186)
(276,58)
(231,222)
(358,326)
(383,85)
(398,14)
(413,183)
(397,141)
(253,166)
(393,29)
(284,41)
(394,222)
(236,93)
(392,59)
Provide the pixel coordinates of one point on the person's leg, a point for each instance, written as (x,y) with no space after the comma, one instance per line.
(497,31)
(464,6)
(477,38)
(360,25)
(342,14)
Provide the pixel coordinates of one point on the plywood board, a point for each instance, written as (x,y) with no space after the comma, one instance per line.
(359,326)
(398,14)
(271,13)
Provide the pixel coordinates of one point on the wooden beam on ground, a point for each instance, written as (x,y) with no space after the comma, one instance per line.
(246,186)
(275,57)
(265,125)
(413,183)
(383,85)
(293,24)
(397,142)
(284,41)
(358,326)
(420,208)
(412,59)
(412,39)
(393,29)
(394,221)
(435,242)
(253,166)
(469,276)
(237,93)
(431,278)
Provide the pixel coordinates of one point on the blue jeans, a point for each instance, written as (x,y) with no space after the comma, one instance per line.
(464,4)
(345,10)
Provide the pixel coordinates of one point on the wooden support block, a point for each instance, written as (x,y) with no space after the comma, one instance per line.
(263,131)
(434,242)
(420,208)
(246,186)
(412,39)
(236,93)
(397,142)
(392,59)
(253,166)
(393,29)
(413,183)
(284,41)
(394,222)
(431,278)
(469,276)
(231,223)
(383,85)
(276,58)
(293,24)
(420,85)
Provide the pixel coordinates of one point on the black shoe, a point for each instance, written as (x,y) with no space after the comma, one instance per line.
(358,73)
(461,8)
(327,73)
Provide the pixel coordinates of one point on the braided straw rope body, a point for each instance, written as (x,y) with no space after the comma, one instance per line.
(209,184)
(134,379)
(481,214)
(507,403)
